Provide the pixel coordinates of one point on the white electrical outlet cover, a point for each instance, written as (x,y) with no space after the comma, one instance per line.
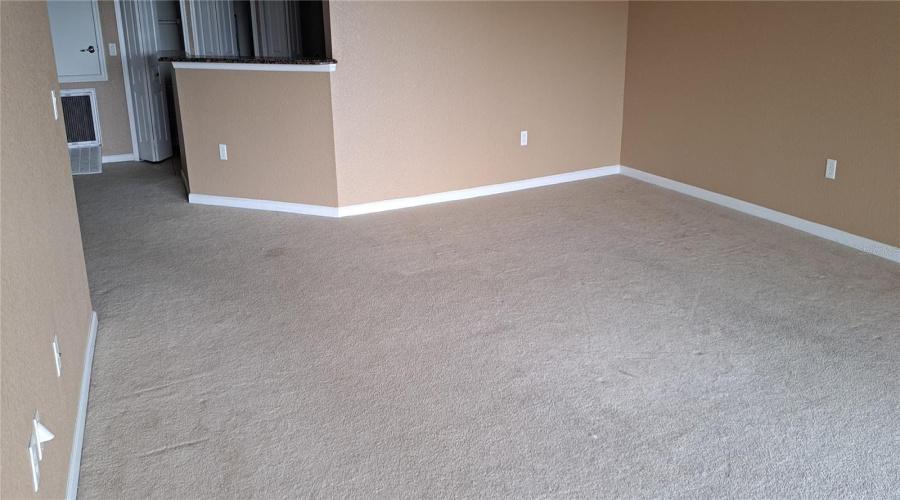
(831,168)
(56,357)
(33,457)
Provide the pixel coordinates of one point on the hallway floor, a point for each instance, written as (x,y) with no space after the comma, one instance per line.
(604,338)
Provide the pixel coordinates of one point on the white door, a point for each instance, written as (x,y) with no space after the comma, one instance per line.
(159,112)
(148,92)
(77,40)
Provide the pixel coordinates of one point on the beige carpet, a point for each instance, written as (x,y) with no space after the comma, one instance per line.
(598,339)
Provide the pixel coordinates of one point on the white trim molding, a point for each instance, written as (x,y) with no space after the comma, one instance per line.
(395,204)
(272,206)
(117,158)
(299,68)
(78,441)
(822,231)
(476,192)
(829,233)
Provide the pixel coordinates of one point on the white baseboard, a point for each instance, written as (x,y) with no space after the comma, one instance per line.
(829,233)
(464,194)
(116,158)
(272,206)
(75,460)
(398,203)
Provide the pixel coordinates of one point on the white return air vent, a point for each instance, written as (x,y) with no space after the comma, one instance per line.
(82,130)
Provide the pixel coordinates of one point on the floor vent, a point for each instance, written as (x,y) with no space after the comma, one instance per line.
(82,130)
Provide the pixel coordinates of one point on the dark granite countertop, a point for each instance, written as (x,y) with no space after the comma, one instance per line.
(245,59)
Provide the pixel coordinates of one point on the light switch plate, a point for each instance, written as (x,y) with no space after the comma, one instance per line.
(830,168)
(223,152)
(523,138)
(112,50)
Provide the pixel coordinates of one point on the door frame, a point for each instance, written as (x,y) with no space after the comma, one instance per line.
(123,56)
(103,76)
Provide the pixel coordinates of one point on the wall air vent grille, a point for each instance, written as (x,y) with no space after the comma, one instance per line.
(85,160)
(79,109)
(79,118)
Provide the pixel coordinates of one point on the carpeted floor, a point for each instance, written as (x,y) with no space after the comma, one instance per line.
(604,338)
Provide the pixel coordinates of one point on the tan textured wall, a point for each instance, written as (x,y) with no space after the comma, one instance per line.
(111,103)
(44,286)
(278,129)
(431,96)
(749,99)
